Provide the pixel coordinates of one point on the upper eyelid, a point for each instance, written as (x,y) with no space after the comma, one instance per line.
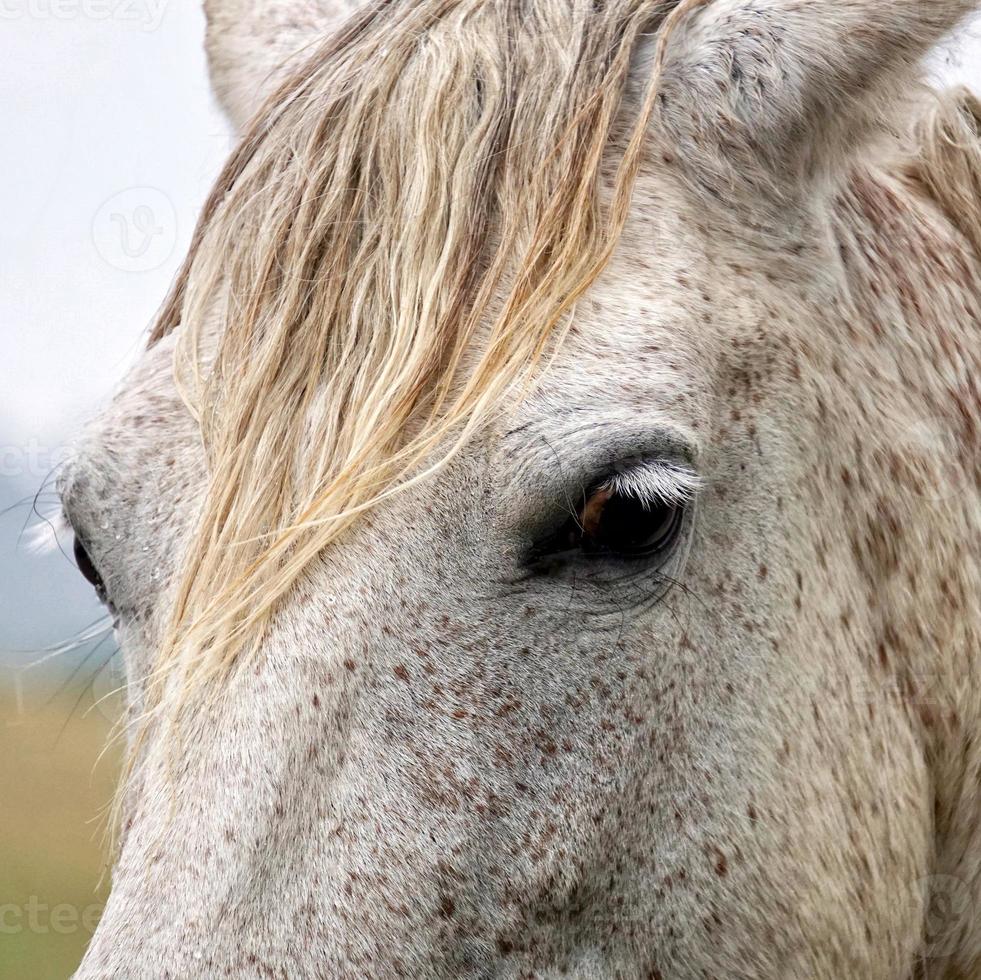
(655,482)
(66,490)
(581,452)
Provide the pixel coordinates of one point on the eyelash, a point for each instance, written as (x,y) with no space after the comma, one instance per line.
(664,483)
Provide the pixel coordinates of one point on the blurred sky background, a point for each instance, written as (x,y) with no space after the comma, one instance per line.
(109,140)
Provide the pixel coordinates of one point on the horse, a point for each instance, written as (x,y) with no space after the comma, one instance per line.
(543,528)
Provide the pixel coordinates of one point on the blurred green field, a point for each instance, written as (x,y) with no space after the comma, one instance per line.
(52,860)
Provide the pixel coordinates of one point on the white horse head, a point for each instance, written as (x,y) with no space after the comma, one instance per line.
(543,529)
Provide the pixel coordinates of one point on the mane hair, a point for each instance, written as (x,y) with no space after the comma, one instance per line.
(947,161)
(389,254)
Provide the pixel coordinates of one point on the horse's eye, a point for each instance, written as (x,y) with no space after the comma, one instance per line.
(627,527)
(613,525)
(88,569)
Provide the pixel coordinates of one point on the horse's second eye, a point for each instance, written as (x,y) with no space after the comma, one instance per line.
(88,570)
(627,527)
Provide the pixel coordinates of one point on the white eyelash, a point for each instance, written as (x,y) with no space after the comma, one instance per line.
(656,483)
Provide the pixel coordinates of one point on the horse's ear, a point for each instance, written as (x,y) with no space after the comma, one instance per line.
(778,89)
(253,43)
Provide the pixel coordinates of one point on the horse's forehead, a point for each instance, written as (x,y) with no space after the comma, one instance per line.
(644,340)
(625,372)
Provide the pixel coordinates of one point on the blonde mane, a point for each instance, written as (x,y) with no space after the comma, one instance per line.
(947,160)
(352,259)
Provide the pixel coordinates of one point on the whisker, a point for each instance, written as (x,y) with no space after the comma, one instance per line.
(41,517)
(87,634)
(66,685)
(88,686)
(26,501)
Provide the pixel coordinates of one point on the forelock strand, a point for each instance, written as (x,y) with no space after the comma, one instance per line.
(387,258)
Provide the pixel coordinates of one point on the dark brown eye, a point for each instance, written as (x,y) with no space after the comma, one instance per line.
(626,527)
(88,570)
(613,525)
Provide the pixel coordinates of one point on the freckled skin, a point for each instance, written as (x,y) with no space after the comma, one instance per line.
(441,768)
